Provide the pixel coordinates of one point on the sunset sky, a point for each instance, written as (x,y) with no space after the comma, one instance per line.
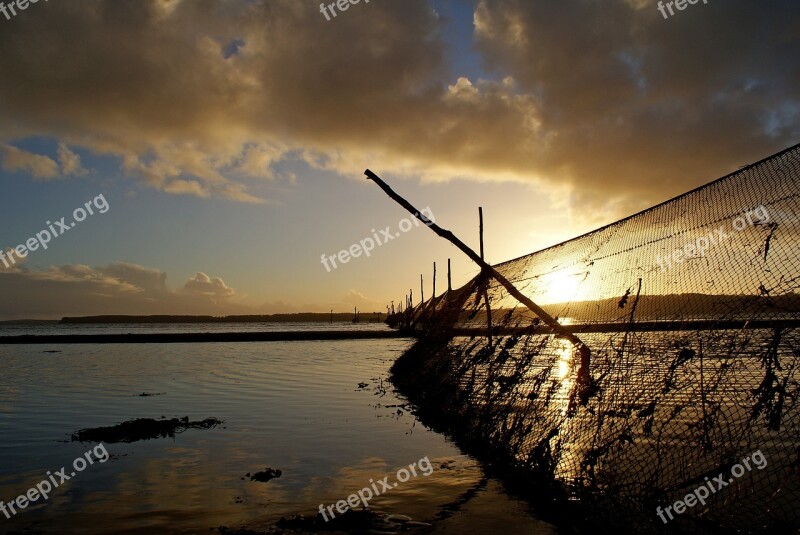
(230,137)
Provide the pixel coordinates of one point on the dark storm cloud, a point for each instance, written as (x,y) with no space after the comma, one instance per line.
(608,98)
(631,102)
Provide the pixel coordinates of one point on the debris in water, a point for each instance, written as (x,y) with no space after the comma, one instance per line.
(142,429)
(266,475)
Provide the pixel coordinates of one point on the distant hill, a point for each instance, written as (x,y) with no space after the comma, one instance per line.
(649,307)
(302,317)
(681,306)
(671,307)
(28,322)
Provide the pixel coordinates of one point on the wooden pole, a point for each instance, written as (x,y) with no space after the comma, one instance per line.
(449,280)
(583,372)
(480,229)
(706,439)
(411,307)
(486,291)
(421,290)
(434,281)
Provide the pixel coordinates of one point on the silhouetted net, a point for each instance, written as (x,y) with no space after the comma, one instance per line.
(694,358)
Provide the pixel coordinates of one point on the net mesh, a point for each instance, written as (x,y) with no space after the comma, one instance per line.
(690,312)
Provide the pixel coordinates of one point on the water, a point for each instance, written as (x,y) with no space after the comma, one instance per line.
(147,328)
(300,407)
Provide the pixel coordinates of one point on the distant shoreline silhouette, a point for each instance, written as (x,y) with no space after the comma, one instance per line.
(302,317)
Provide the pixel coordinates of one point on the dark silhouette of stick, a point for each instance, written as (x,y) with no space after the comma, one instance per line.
(584,378)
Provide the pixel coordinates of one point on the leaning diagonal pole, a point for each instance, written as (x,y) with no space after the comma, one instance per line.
(584,378)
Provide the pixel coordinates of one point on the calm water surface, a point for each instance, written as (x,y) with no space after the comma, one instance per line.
(294,406)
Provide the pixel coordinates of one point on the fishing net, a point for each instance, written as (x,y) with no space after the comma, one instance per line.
(689,311)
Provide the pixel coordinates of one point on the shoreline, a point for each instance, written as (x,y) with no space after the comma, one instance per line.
(178,338)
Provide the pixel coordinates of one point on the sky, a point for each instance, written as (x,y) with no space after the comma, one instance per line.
(221,145)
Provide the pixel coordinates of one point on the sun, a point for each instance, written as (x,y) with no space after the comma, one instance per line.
(559,287)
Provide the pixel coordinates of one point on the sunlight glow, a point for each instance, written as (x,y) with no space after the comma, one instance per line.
(564,352)
(559,287)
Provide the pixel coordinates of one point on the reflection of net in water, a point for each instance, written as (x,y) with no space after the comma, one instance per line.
(694,354)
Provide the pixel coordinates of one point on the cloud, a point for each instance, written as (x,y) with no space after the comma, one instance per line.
(162,91)
(633,107)
(125,288)
(143,278)
(70,162)
(357,299)
(16,160)
(41,166)
(10,260)
(118,288)
(205,286)
(606,101)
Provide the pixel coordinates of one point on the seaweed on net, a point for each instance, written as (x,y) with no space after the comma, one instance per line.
(695,354)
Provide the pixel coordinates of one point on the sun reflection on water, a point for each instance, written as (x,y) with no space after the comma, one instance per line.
(564,350)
